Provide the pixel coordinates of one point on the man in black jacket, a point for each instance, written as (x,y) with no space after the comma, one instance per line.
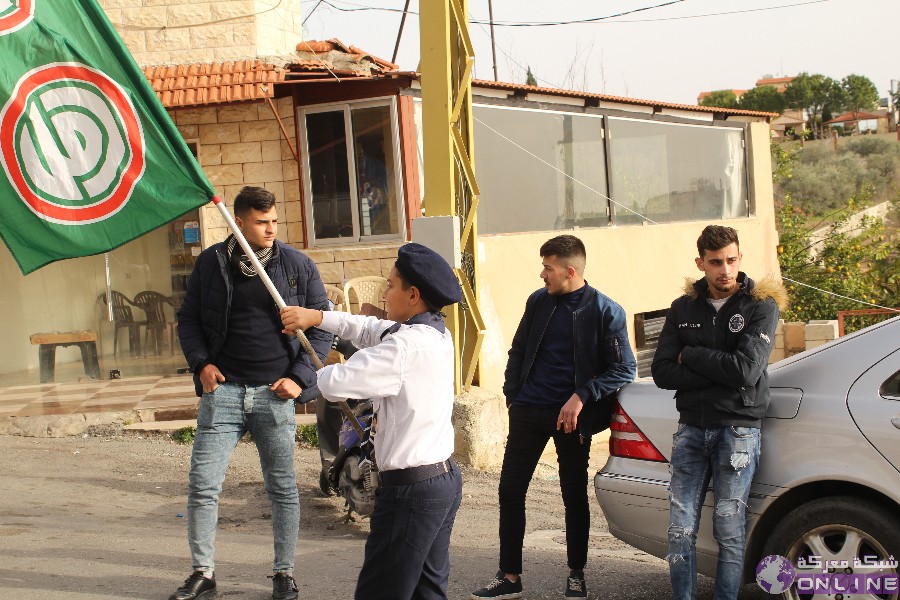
(570,350)
(713,350)
(249,375)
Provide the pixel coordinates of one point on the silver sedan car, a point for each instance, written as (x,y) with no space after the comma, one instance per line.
(828,482)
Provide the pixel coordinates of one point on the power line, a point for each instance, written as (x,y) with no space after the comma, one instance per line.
(607,19)
(305,19)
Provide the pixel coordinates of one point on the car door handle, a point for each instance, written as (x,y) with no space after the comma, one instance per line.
(896,422)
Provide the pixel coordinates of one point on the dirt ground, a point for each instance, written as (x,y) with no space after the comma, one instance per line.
(102,516)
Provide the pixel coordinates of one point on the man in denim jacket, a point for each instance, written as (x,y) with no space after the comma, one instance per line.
(570,350)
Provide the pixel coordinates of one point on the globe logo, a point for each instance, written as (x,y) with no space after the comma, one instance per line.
(775,574)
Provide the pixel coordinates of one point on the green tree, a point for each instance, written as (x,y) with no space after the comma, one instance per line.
(721,98)
(815,94)
(860,93)
(859,263)
(530,79)
(764,98)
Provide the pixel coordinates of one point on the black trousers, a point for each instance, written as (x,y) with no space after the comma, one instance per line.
(530,428)
(408,549)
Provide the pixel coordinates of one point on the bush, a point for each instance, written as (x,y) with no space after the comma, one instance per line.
(822,179)
(308,435)
(185,435)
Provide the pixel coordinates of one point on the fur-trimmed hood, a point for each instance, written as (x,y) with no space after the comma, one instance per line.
(767,287)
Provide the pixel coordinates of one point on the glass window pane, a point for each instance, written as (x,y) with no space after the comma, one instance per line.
(539,171)
(375,170)
(147,277)
(665,172)
(329,175)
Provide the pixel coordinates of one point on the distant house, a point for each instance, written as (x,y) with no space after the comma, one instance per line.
(779,83)
(861,122)
(793,120)
(703,95)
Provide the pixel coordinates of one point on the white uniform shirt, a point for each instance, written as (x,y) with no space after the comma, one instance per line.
(408,375)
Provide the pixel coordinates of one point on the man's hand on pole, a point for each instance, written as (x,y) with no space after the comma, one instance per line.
(297,317)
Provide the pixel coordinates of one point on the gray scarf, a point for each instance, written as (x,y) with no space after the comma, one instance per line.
(239,260)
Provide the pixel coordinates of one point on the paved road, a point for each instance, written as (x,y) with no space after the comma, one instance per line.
(101,517)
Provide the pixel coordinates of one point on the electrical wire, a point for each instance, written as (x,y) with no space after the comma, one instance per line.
(306,18)
(812,287)
(608,19)
(125,26)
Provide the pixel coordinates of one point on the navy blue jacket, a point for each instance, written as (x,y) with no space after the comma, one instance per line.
(722,378)
(604,361)
(203,317)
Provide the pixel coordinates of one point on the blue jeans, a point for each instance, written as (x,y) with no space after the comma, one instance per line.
(225,415)
(407,554)
(728,456)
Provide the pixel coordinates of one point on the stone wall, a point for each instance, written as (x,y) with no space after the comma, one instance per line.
(338,265)
(795,337)
(159,32)
(242,144)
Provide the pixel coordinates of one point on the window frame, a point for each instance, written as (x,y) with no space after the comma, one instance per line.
(346,107)
(608,138)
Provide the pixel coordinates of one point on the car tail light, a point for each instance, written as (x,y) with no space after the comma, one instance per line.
(627,440)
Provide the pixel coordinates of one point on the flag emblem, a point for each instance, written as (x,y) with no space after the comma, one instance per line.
(71,143)
(15,15)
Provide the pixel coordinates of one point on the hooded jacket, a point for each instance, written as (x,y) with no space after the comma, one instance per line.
(722,377)
(203,317)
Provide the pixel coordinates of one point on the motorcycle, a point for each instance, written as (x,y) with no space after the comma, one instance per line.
(353,474)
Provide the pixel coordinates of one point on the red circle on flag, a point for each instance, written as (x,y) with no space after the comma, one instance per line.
(17,17)
(15,110)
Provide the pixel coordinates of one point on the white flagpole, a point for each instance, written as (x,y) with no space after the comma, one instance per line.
(279,301)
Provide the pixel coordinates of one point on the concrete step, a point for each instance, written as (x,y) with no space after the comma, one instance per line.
(175,425)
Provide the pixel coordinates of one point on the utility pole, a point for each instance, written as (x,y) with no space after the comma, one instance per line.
(400,32)
(494,43)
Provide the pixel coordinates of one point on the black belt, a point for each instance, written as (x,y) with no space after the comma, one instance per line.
(415,474)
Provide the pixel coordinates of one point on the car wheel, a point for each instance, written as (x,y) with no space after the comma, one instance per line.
(837,529)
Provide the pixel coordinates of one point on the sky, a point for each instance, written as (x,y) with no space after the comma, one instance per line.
(670,51)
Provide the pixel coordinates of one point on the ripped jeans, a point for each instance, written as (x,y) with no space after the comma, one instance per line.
(728,456)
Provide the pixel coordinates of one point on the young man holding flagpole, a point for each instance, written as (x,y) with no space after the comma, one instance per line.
(249,375)
(405,364)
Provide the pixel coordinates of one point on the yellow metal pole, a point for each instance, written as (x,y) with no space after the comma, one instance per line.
(447,60)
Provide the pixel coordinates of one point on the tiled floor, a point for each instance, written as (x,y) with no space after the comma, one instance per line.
(117,395)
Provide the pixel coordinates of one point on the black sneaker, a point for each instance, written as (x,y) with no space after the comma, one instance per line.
(500,588)
(575,586)
(195,586)
(283,587)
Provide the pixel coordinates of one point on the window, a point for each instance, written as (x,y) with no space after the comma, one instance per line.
(667,172)
(891,387)
(647,327)
(352,172)
(539,170)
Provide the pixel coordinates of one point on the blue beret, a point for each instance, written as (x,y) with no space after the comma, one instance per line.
(427,270)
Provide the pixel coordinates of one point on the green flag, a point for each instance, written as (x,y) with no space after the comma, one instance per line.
(90,158)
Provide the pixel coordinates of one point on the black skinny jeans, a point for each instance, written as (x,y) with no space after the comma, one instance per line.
(530,428)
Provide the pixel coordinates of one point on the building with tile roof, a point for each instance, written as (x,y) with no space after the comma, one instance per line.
(336,134)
